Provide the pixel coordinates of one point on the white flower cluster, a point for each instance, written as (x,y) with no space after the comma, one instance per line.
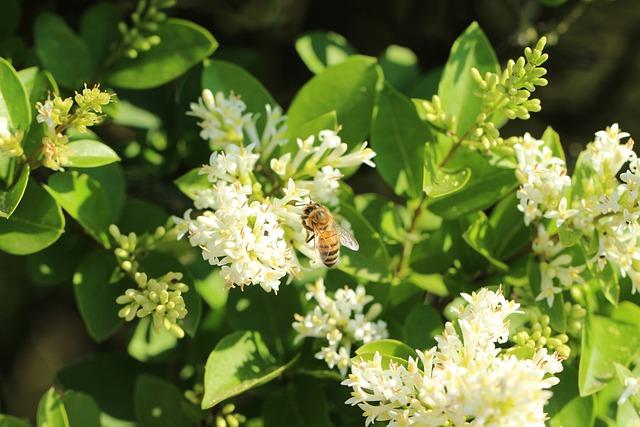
(544,180)
(340,320)
(251,224)
(9,142)
(160,298)
(465,381)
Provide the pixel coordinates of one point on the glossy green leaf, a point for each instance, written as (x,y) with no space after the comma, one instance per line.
(480,236)
(398,136)
(389,349)
(349,89)
(239,362)
(141,217)
(457,88)
(108,378)
(566,407)
(96,293)
(99,30)
(604,342)
(371,261)
(81,409)
(183,44)
(439,182)
(93,197)
(51,411)
(511,236)
(421,326)
(192,182)
(488,184)
(36,223)
(312,127)
(147,343)
(225,77)
(14,102)
(400,66)
(552,140)
(58,262)
(9,421)
(427,85)
(62,51)
(300,403)
(87,153)
(159,403)
(10,197)
(319,49)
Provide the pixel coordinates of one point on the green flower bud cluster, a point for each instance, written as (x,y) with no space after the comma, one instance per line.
(131,246)
(146,19)
(509,93)
(574,313)
(10,142)
(59,116)
(160,298)
(227,417)
(432,112)
(540,335)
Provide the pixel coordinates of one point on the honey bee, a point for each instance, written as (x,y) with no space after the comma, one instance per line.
(327,234)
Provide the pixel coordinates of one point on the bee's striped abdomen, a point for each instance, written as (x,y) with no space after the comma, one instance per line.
(328,247)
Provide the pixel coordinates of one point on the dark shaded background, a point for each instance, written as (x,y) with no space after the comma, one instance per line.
(594,75)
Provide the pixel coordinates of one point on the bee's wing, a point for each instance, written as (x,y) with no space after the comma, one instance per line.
(346,238)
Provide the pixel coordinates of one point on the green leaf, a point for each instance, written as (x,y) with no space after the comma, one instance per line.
(108,379)
(159,403)
(608,281)
(99,30)
(225,77)
(480,236)
(141,217)
(312,127)
(511,236)
(302,403)
(57,263)
(93,197)
(566,407)
(96,294)
(427,85)
(398,136)
(439,182)
(87,153)
(319,49)
(390,350)
(9,421)
(568,235)
(604,342)
(81,409)
(267,313)
(192,182)
(128,114)
(239,362)
(488,184)
(62,51)
(422,325)
(552,140)
(36,223)
(457,88)
(147,343)
(51,411)
(183,44)
(14,103)
(349,89)
(400,66)
(371,261)
(11,196)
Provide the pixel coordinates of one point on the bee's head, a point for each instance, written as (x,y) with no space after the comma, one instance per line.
(310,207)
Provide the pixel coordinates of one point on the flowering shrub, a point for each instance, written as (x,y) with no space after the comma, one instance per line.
(483,280)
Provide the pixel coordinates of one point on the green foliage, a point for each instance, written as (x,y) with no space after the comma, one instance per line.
(319,50)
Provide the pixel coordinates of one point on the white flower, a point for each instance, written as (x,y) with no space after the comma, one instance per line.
(631,388)
(341,321)
(562,213)
(606,154)
(465,380)
(45,113)
(222,119)
(279,166)
(325,184)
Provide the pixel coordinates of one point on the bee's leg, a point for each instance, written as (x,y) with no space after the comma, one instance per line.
(310,237)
